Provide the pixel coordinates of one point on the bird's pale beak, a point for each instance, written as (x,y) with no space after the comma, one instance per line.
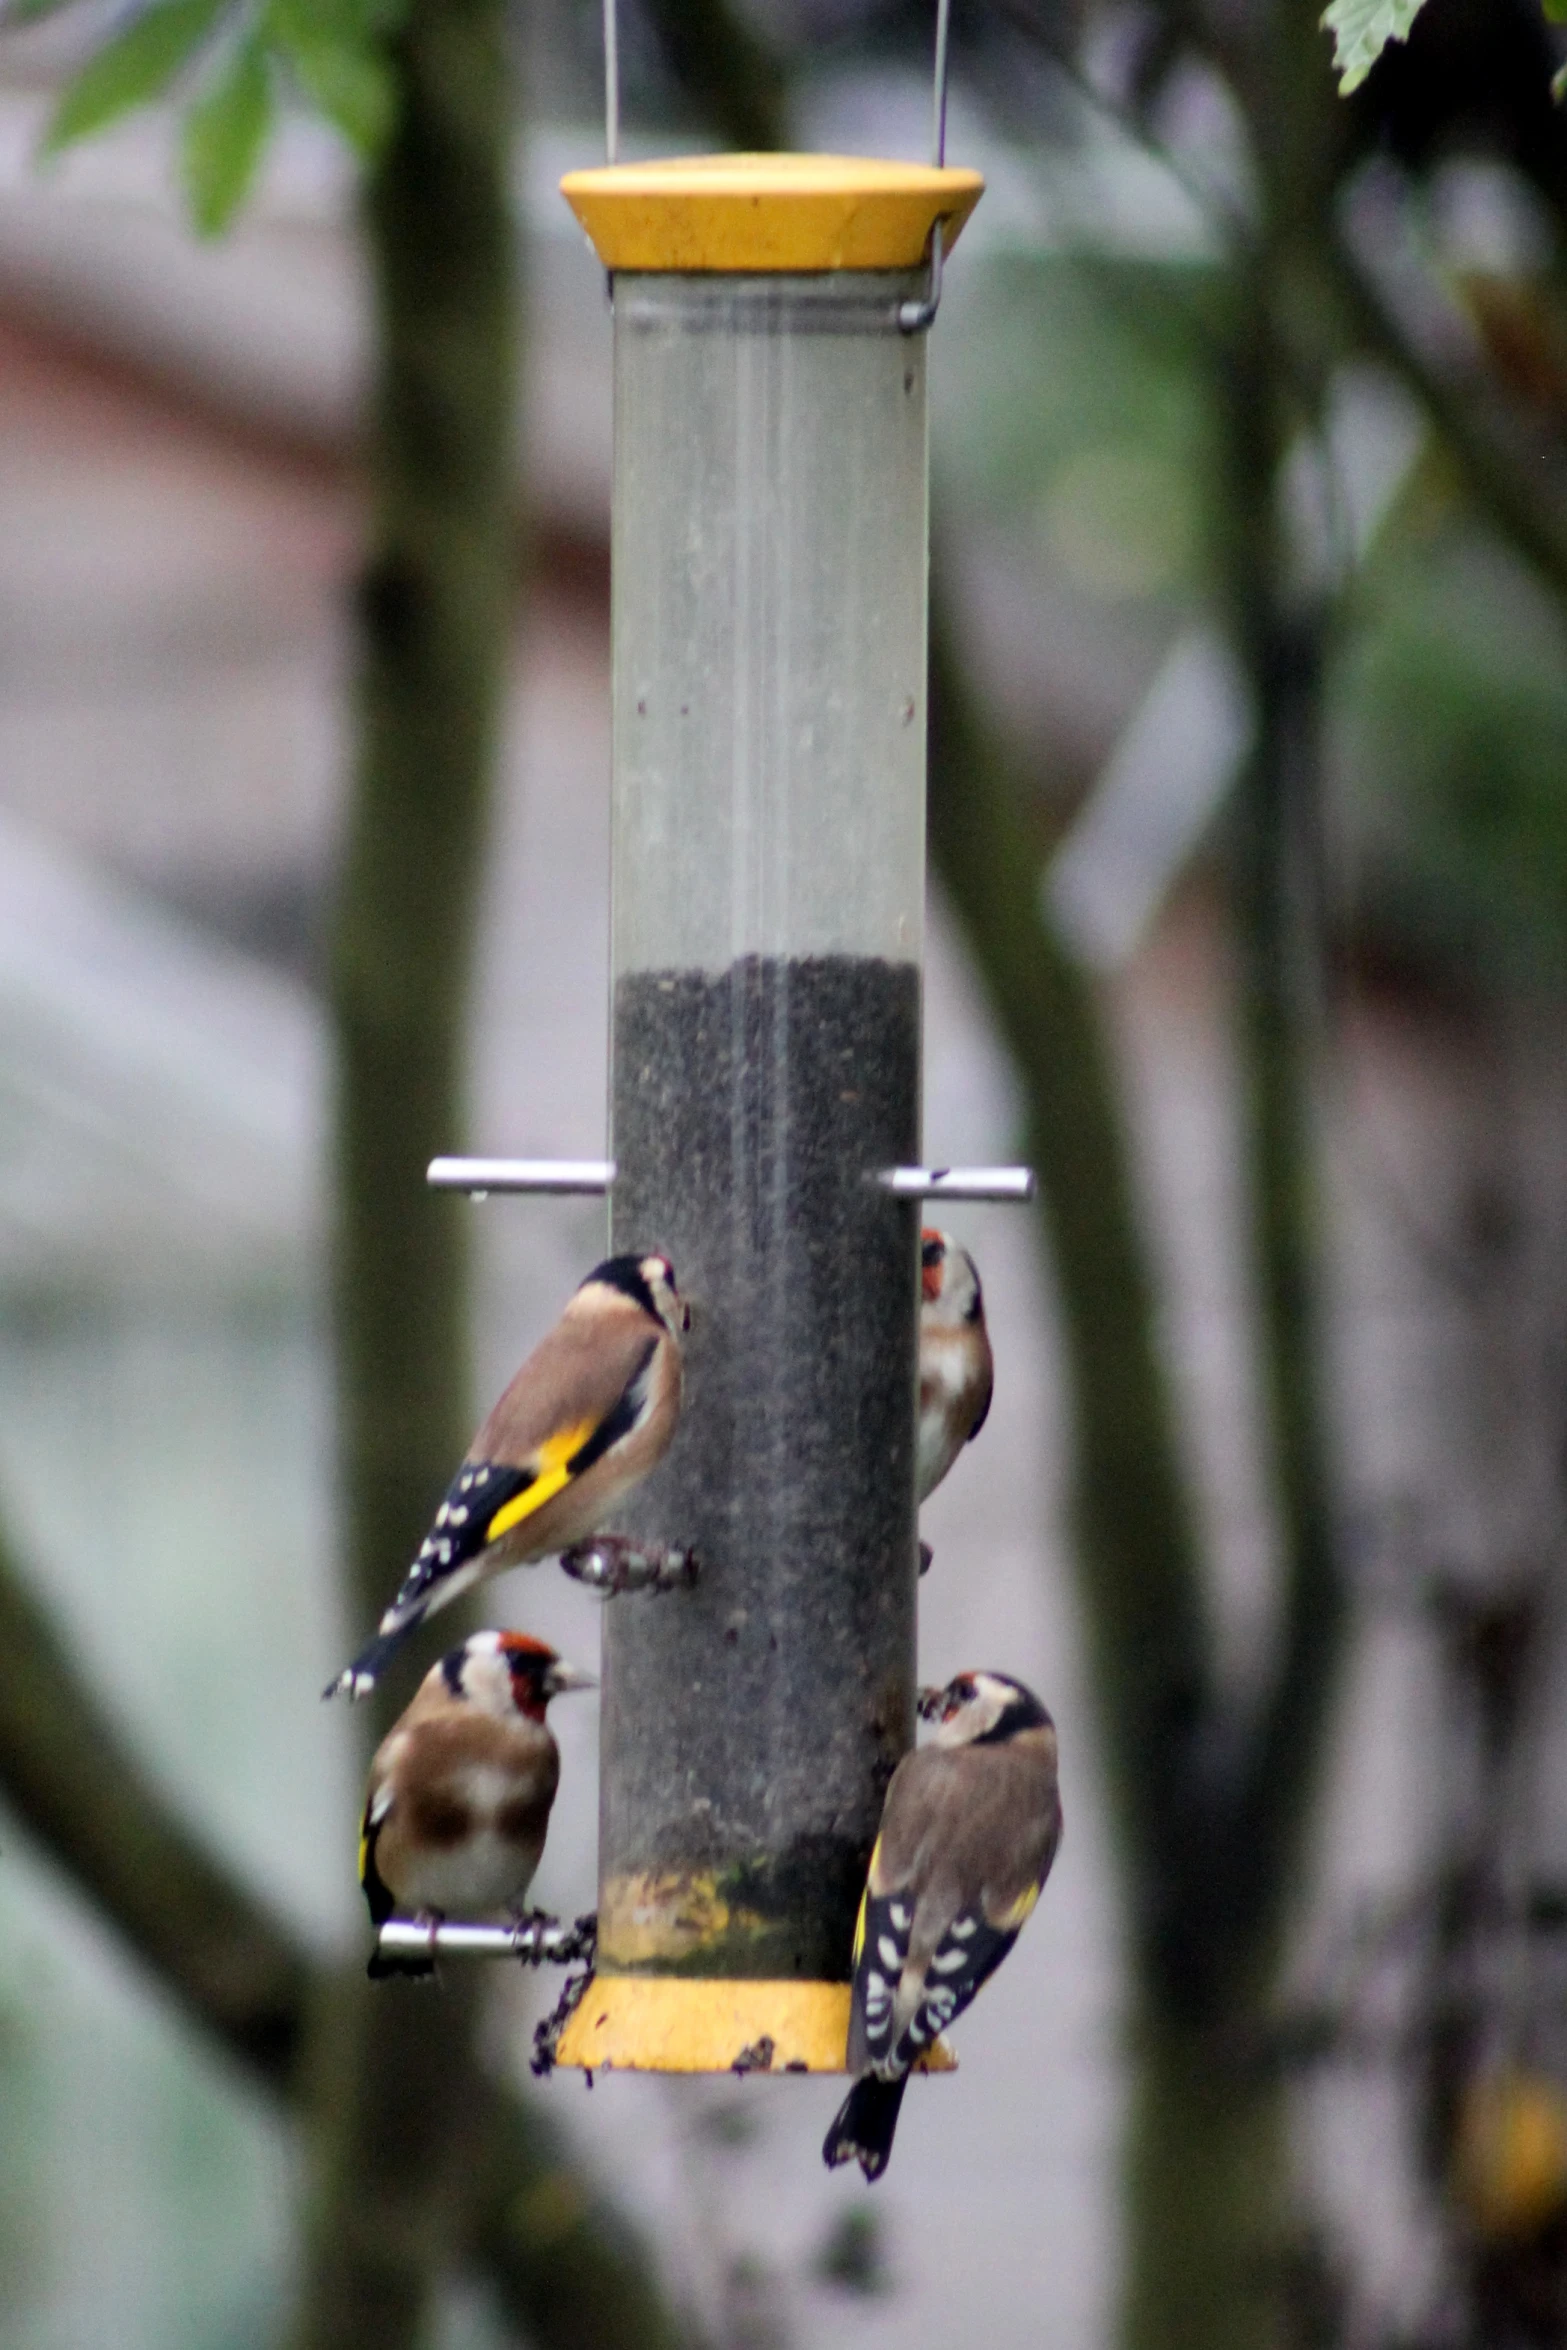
(562,1677)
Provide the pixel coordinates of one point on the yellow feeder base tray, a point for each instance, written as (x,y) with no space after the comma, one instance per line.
(699,2024)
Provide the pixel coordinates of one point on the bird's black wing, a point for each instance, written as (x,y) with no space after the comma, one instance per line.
(487,1498)
(966,1957)
(881,1946)
(447,1563)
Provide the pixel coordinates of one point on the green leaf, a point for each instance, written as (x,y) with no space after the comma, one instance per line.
(1361,30)
(1556,10)
(223,135)
(137,64)
(335,50)
(1559,84)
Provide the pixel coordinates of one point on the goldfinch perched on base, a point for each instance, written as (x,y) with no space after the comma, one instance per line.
(968,1833)
(461,1787)
(589,1414)
(956,1373)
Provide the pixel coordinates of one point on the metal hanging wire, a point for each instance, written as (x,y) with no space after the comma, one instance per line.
(611,85)
(938,105)
(914,315)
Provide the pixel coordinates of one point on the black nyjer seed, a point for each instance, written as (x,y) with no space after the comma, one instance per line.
(750,1726)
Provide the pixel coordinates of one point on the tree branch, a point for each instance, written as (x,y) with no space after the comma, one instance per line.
(560,2258)
(1512,476)
(1137,1553)
(1263,1794)
(76,1784)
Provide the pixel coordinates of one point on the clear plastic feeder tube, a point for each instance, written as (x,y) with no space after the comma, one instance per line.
(769,594)
(769,609)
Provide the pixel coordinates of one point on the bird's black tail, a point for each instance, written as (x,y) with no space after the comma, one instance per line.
(360,1677)
(863,2131)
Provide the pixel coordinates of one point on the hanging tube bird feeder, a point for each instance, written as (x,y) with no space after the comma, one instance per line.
(769,685)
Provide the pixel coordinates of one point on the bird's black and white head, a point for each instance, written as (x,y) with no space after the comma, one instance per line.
(650,1283)
(950,1294)
(983,1709)
(509,1673)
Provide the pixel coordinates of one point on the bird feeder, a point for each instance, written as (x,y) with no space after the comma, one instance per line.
(769,560)
(769,687)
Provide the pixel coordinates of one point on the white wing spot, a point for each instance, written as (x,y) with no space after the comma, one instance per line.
(962,1928)
(898,1912)
(947,1962)
(887,1951)
(459,1514)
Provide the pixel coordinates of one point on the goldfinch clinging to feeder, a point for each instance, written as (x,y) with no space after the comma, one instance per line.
(461,1787)
(968,1833)
(956,1373)
(589,1414)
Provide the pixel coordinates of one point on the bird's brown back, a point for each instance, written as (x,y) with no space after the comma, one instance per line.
(974,1826)
(573,1378)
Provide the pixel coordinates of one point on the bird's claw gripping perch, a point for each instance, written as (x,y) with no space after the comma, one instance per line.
(613,1563)
(539,1938)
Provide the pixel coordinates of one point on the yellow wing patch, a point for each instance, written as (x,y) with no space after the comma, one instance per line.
(865,1900)
(364,1849)
(1011,1919)
(553,1475)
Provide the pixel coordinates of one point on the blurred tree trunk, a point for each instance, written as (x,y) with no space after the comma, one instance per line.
(395,2155)
(1204,2210)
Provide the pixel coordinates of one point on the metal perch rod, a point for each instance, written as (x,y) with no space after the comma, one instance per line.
(534,1940)
(480,1176)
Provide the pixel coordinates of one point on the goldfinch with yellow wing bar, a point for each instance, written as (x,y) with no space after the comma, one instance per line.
(461,1788)
(591,1411)
(968,1833)
(956,1372)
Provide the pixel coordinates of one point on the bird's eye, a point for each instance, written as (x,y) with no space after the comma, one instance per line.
(931,1253)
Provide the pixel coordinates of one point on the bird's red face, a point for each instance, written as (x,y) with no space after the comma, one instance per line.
(530,1662)
(933,1257)
(537,1673)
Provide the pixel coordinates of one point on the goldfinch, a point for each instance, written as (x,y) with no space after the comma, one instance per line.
(461,1787)
(956,1373)
(591,1411)
(968,1833)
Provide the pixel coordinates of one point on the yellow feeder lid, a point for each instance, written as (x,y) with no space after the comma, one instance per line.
(767,213)
(699,2024)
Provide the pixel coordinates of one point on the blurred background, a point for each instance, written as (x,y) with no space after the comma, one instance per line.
(1248,928)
